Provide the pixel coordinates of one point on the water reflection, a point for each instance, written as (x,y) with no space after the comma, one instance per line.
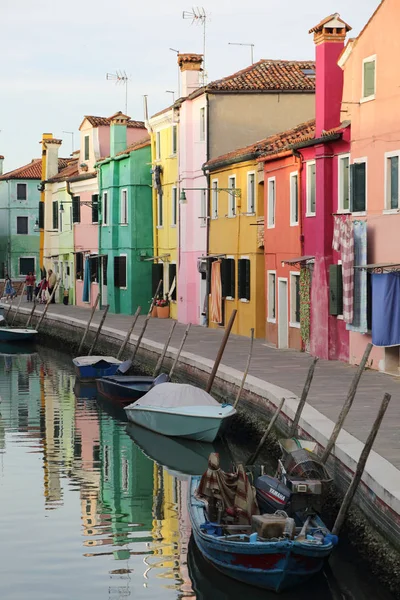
(91,508)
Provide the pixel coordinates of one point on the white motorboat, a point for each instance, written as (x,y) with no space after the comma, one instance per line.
(180,410)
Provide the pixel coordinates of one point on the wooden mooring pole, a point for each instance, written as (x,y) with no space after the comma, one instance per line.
(252,459)
(247,368)
(360,466)
(96,337)
(347,405)
(164,351)
(19,304)
(221,351)
(145,323)
(303,398)
(42,316)
(129,332)
(88,324)
(179,351)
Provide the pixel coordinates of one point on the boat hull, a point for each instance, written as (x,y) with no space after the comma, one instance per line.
(16,335)
(126,391)
(99,367)
(275,565)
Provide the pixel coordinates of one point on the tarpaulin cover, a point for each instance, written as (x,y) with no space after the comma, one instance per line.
(174,395)
(386,309)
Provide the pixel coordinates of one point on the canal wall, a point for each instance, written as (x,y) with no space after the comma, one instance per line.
(374,525)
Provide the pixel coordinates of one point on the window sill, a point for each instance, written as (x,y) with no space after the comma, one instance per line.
(391,211)
(340,317)
(294,224)
(160,227)
(173,226)
(311,214)
(231,216)
(124,224)
(367,99)
(269,320)
(343,211)
(244,300)
(229,298)
(214,218)
(362,213)
(250,213)
(271,226)
(295,325)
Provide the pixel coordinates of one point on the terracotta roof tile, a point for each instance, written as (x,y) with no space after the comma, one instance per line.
(70,170)
(31,171)
(269,75)
(105,121)
(333,17)
(136,146)
(339,129)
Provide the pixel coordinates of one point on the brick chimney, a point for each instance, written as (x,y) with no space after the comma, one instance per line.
(1,164)
(51,147)
(190,66)
(118,137)
(329,39)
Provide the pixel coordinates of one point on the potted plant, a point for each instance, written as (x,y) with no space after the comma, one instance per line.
(154,309)
(162,308)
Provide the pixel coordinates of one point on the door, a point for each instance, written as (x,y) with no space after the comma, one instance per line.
(283,315)
(104,295)
(203,293)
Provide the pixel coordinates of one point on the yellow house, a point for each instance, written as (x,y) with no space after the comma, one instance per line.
(163,129)
(236,280)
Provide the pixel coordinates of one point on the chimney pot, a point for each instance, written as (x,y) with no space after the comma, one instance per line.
(190,66)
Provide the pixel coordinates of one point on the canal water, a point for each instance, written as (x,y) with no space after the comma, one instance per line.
(85,511)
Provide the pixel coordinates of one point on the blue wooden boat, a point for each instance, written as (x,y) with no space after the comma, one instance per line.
(268,564)
(92,367)
(14,334)
(125,389)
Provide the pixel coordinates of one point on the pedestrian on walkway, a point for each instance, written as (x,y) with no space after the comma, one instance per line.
(9,291)
(30,284)
(51,281)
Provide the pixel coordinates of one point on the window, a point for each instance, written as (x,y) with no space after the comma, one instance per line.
(358,186)
(202,124)
(105,208)
(271,202)
(251,193)
(214,199)
(232,197)
(124,207)
(295,299)
(86,147)
(41,215)
(120,271)
(104,263)
(228,278)
(22,225)
(95,208)
(335,290)
(244,279)
(158,145)
(174,200)
(392,180)
(76,209)
(160,221)
(79,265)
(344,183)
(174,139)
(172,276)
(294,199)
(203,207)
(22,191)
(55,215)
(94,268)
(311,192)
(271,297)
(26,264)
(369,78)
(157,274)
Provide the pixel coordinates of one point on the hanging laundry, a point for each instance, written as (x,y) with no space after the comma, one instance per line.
(360,320)
(343,242)
(216,293)
(386,309)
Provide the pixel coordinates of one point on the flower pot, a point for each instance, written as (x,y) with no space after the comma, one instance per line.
(154,311)
(163,312)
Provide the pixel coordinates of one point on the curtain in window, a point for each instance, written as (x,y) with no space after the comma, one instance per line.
(360,323)
(386,309)
(343,242)
(86,282)
(216,292)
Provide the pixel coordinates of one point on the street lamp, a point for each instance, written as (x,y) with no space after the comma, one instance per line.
(237,192)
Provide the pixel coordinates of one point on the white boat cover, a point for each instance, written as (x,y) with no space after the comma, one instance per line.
(174,395)
(91,360)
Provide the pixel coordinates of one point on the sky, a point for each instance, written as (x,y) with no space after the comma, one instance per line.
(55,56)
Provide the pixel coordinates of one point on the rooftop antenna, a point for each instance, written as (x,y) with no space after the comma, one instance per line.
(173,95)
(240,44)
(179,71)
(199,17)
(120,77)
(71,133)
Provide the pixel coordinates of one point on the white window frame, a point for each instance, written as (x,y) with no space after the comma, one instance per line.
(174,206)
(105,213)
(371,58)
(124,204)
(251,210)
(269,296)
(27,225)
(26,191)
(292,322)
(160,211)
(340,207)
(126,272)
(174,150)
(202,132)
(203,208)
(271,202)
(363,159)
(214,199)
(309,213)
(294,175)
(86,137)
(387,209)
(158,145)
(19,264)
(231,197)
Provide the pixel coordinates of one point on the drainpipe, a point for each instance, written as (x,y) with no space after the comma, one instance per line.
(299,163)
(208,207)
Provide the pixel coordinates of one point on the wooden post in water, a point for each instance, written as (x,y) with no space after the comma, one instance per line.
(347,405)
(88,324)
(31,313)
(179,351)
(129,333)
(303,398)
(42,316)
(103,318)
(247,368)
(252,459)
(162,355)
(141,334)
(19,304)
(220,351)
(360,466)
(153,300)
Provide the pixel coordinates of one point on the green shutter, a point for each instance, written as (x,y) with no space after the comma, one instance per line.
(95,208)
(335,290)
(86,147)
(369,78)
(41,215)
(358,187)
(232,276)
(76,209)
(247,280)
(55,215)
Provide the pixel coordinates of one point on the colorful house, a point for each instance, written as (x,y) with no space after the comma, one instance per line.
(163,129)
(126,219)
(209,128)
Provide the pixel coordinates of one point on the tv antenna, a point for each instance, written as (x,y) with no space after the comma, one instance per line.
(120,77)
(199,17)
(71,133)
(172,93)
(249,45)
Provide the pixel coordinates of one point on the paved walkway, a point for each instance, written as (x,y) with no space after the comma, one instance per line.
(286,369)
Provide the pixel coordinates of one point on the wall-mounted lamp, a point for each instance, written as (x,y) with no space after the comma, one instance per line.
(237,192)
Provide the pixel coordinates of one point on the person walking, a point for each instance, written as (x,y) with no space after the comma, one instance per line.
(9,291)
(51,281)
(30,284)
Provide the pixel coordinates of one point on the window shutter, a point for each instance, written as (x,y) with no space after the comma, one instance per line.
(247,279)
(76,209)
(105,265)
(172,276)
(120,271)
(232,277)
(79,265)
(225,274)
(369,78)
(95,208)
(335,290)
(55,215)
(241,278)
(116,271)
(357,187)
(156,274)
(41,215)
